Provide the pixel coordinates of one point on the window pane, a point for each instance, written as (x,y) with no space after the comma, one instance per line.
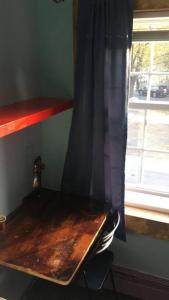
(151,24)
(147,158)
(157,130)
(160,87)
(138,87)
(140,58)
(135,128)
(133,159)
(156,171)
(161,57)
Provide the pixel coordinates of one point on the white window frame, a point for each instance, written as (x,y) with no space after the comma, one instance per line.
(136,196)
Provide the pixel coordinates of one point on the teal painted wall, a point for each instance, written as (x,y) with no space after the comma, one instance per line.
(143,254)
(55,132)
(18,81)
(56,80)
(55,48)
(18,50)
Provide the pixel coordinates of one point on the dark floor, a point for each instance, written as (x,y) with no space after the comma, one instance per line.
(43,290)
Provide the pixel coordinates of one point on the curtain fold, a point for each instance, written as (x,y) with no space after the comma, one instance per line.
(95,161)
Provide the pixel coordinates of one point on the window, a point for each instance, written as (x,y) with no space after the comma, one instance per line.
(147,161)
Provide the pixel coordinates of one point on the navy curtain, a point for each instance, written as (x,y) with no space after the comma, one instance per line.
(95,160)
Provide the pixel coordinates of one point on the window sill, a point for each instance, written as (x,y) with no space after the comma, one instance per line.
(148,202)
(147,215)
(147,222)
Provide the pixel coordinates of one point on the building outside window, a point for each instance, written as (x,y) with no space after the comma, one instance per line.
(147,160)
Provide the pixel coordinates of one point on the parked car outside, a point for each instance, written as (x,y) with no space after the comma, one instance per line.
(157,91)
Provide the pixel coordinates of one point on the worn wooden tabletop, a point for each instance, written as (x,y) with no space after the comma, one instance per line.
(49,238)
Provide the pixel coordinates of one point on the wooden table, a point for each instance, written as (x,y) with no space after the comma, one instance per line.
(49,238)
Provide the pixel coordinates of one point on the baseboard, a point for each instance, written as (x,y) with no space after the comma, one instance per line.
(140,285)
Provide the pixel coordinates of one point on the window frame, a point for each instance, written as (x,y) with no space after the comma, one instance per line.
(143,195)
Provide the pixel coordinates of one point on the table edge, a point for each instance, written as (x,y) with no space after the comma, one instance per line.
(40,275)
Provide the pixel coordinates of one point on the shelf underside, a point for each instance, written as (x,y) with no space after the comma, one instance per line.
(19,115)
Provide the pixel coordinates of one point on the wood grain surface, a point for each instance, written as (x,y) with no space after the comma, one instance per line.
(151,5)
(49,237)
(157,230)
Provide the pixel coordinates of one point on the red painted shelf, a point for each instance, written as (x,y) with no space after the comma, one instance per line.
(19,115)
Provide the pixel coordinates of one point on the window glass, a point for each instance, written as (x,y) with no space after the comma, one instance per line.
(138,86)
(157,130)
(147,158)
(133,166)
(140,60)
(161,57)
(150,71)
(135,127)
(155,174)
(159,87)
